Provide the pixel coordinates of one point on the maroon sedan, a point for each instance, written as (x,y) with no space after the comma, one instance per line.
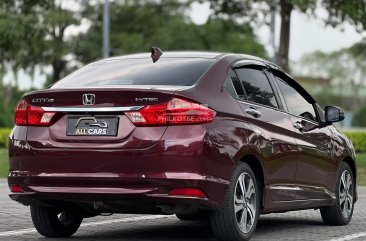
(195,134)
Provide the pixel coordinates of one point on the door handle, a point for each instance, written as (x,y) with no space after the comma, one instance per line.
(299,126)
(253,112)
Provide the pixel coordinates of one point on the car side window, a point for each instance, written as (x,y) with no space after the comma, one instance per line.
(229,86)
(296,104)
(237,85)
(257,86)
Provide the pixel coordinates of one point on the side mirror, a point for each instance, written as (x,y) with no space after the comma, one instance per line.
(333,114)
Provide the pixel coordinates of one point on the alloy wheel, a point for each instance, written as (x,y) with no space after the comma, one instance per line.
(245,202)
(346,194)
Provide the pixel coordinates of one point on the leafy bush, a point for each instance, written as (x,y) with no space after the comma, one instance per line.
(360,118)
(4,137)
(358,139)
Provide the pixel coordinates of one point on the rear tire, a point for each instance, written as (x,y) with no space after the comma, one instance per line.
(237,219)
(53,224)
(341,212)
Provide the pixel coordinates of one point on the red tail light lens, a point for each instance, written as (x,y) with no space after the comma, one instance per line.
(27,115)
(21,113)
(16,189)
(175,112)
(187,192)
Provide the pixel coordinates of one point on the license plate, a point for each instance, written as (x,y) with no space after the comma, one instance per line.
(92,126)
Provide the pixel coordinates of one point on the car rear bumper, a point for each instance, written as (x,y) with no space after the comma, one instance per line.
(125,180)
(119,195)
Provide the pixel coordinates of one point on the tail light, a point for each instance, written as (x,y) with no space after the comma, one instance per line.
(27,115)
(175,112)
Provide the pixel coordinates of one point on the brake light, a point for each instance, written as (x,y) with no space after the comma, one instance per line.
(27,115)
(175,112)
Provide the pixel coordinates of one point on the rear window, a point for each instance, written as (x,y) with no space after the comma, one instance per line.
(166,71)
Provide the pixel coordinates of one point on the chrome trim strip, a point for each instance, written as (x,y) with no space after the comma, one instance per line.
(93,109)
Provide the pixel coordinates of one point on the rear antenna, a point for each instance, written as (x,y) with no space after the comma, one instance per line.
(155,54)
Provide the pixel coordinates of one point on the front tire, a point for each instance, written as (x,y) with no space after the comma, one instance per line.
(53,224)
(341,212)
(237,220)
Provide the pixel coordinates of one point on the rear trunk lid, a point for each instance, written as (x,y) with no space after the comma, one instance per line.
(102,104)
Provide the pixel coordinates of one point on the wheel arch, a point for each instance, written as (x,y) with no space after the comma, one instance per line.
(257,168)
(351,162)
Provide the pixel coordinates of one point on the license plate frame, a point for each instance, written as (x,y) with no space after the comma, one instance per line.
(92,125)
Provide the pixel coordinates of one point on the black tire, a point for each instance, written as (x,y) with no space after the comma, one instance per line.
(335,215)
(53,224)
(224,221)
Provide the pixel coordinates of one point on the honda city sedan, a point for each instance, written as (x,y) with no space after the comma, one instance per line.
(226,137)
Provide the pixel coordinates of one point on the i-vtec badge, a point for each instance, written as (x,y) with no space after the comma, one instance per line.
(146,99)
(43,100)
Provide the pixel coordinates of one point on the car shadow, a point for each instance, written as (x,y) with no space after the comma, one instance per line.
(288,223)
(174,229)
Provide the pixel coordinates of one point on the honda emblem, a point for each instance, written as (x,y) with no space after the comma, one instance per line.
(88,99)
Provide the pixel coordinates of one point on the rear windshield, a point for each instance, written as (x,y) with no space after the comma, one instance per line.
(166,71)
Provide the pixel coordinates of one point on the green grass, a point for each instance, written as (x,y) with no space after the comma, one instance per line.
(361,166)
(3,162)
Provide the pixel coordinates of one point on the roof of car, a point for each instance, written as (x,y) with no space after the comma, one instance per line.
(186,54)
(172,54)
(192,54)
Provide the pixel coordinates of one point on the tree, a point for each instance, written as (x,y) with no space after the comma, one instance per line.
(32,33)
(359,118)
(9,97)
(346,68)
(257,11)
(136,26)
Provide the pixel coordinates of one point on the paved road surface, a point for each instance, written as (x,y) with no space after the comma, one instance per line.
(15,224)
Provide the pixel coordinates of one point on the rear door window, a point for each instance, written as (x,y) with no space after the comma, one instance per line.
(166,71)
(257,87)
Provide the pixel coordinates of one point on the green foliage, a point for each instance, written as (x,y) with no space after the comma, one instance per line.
(32,33)
(4,163)
(345,67)
(259,12)
(358,140)
(164,25)
(9,98)
(359,119)
(4,137)
(361,168)
(353,12)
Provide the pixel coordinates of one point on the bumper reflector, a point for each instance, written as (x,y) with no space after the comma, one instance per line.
(187,192)
(16,189)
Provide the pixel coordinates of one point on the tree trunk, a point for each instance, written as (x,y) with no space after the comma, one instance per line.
(282,56)
(58,66)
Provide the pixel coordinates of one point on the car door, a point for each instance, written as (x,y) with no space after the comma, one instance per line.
(273,128)
(315,167)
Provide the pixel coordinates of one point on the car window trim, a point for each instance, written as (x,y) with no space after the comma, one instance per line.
(228,79)
(287,110)
(261,68)
(257,104)
(275,90)
(276,109)
(284,110)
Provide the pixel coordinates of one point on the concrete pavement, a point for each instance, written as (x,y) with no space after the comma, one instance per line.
(16,224)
